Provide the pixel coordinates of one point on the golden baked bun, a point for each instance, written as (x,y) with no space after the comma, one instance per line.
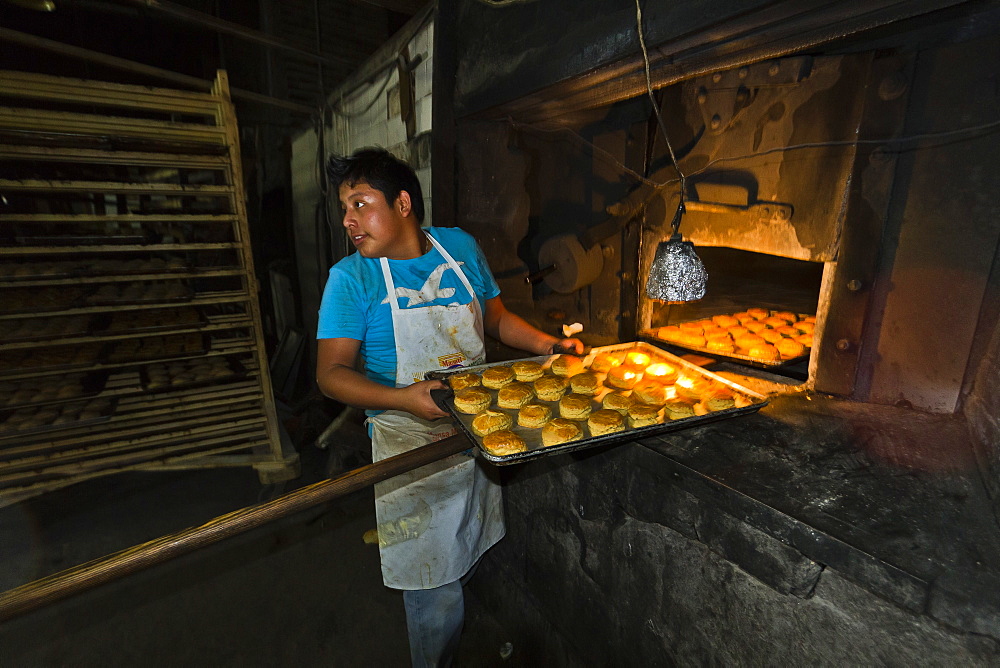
(771,335)
(527,371)
(786,315)
(566,365)
(584,383)
(691,326)
(790,348)
(650,392)
(691,340)
(533,415)
(788,330)
(498,376)
(764,352)
(722,334)
(560,430)
(805,339)
(758,313)
(636,360)
(743,317)
(490,421)
(749,341)
(714,331)
(691,387)
(678,410)
(725,320)
(551,388)
(575,407)
(504,442)
(804,326)
(755,326)
(617,401)
(775,321)
(643,415)
(515,395)
(718,397)
(604,362)
(605,421)
(737,331)
(809,318)
(472,400)
(460,381)
(669,333)
(661,372)
(622,377)
(721,346)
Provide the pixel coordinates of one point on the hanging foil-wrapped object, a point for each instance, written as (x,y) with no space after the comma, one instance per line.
(677,273)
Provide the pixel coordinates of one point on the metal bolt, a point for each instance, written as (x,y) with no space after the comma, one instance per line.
(843,345)
(854,285)
(717,77)
(744,71)
(742,94)
(626,276)
(702,95)
(716,122)
(773,70)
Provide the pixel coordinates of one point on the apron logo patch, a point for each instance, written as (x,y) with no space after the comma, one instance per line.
(451,359)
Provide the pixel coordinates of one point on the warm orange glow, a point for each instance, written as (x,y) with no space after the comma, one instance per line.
(684,381)
(658,371)
(637,360)
(671,393)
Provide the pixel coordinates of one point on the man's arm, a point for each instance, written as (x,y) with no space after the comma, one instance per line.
(516,332)
(338,378)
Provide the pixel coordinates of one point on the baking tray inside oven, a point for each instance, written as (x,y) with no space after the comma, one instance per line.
(749,402)
(721,337)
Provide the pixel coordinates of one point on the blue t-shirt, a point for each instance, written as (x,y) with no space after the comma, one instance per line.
(355,306)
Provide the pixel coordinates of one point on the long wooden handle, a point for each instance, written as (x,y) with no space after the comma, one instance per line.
(64,584)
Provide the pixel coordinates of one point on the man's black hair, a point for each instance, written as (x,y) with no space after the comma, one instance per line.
(382,171)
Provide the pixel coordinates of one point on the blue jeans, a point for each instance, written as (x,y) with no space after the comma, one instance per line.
(434,619)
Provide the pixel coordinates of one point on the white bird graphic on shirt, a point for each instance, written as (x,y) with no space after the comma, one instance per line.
(431,290)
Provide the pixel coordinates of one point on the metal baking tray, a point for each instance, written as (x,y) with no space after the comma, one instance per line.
(532,436)
(739,358)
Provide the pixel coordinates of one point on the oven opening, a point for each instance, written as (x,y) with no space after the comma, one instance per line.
(759,310)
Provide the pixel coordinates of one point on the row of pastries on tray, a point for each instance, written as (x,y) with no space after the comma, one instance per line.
(569,401)
(757,332)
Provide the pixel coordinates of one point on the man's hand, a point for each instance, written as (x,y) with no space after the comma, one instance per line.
(573,346)
(417,399)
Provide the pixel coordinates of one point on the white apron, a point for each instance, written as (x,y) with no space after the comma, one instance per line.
(435,522)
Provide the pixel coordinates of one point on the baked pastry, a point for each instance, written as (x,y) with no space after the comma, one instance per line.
(691,387)
(560,430)
(650,392)
(622,377)
(504,442)
(661,372)
(749,341)
(527,371)
(533,415)
(805,339)
(725,320)
(551,388)
(755,326)
(804,326)
(460,381)
(575,407)
(584,383)
(617,401)
(721,346)
(566,365)
(788,330)
(764,352)
(669,333)
(490,421)
(472,400)
(737,331)
(643,415)
(758,313)
(515,395)
(605,421)
(604,362)
(498,376)
(775,321)
(678,410)
(790,348)
(786,315)
(636,361)
(772,336)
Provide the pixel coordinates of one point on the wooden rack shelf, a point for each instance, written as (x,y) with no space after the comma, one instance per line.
(86,164)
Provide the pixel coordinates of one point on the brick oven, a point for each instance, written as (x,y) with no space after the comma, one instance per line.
(838,165)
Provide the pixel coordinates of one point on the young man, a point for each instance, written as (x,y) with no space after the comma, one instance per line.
(412,300)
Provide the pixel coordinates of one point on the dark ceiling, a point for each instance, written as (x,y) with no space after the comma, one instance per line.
(291,51)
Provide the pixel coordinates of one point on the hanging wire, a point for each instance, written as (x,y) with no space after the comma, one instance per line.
(659,119)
